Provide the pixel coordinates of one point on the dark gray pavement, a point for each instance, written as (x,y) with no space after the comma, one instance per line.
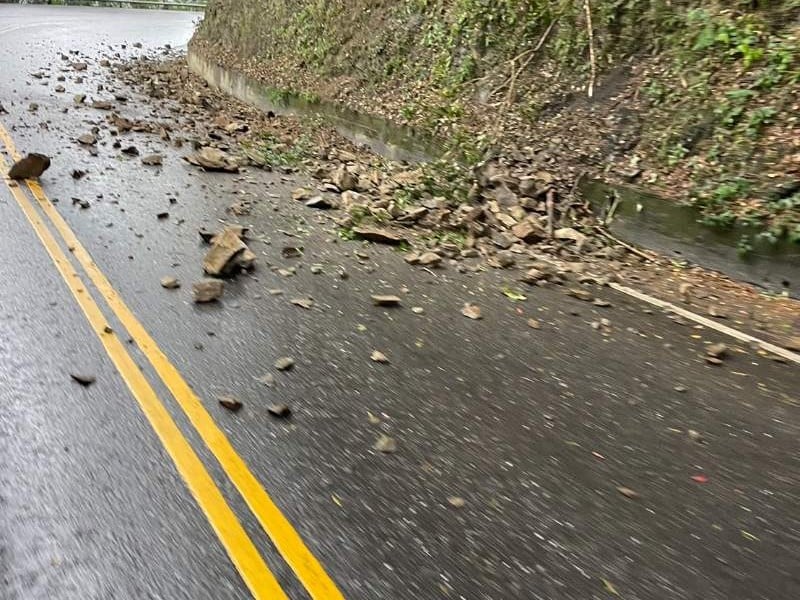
(534,429)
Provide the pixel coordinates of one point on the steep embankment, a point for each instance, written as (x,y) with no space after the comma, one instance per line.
(695,97)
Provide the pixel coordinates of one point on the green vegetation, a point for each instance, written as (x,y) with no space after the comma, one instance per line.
(717,81)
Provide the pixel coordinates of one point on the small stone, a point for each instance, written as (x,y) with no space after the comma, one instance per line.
(60,89)
(385,444)
(417,310)
(315,269)
(380,236)
(279,411)
(602,303)
(232,404)
(430,259)
(319,202)
(717,350)
(505,259)
(153,160)
(581,294)
(713,360)
(284,363)
(207,290)
(87,139)
(695,436)
(267,379)
(83,379)
(628,492)
(471,311)
(385,300)
(456,501)
(305,302)
(291,252)
(680,389)
(528,232)
(169,282)
(378,357)
(534,324)
(301,194)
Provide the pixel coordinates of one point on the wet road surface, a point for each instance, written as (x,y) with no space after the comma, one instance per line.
(534,429)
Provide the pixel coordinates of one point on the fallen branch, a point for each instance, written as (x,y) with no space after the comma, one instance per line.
(528,55)
(592,61)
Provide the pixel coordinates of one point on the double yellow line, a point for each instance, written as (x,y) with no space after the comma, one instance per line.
(240,548)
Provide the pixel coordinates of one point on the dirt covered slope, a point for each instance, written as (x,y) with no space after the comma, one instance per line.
(695,98)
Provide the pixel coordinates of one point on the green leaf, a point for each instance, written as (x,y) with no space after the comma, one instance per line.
(514,295)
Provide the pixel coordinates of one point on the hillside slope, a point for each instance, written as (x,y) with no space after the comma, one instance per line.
(697,98)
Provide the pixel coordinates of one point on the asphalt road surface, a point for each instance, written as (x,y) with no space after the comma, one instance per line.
(512,443)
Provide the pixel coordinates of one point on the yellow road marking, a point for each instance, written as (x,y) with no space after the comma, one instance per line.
(240,548)
(286,539)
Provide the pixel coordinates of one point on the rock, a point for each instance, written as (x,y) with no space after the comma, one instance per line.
(385,300)
(153,160)
(291,252)
(319,202)
(412,215)
(316,269)
(102,105)
(581,294)
(713,360)
(429,259)
(267,379)
(163,215)
(533,276)
(504,259)
(305,302)
(568,233)
(344,179)
(247,260)
(506,220)
(169,282)
(83,379)
(226,247)
(284,363)
(350,198)
(503,241)
(79,99)
(628,492)
(279,411)
(301,194)
(78,174)
(229,402)
(385,444)
(206,236)
(717,350)
(30,167)
(79,66)
(504,196)
(695,436)
(378,357)
(130,150)
(417,310)
(601,303)
(207,290)
(213,159)
(60,89)
(534,324)
(528,232)
(471,311)
(380,236)
(456,501)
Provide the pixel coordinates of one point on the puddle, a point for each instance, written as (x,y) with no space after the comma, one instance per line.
(674,230)
(381,136)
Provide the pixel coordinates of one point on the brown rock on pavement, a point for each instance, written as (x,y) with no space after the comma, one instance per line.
(385,300)
(169,282)
(213,159)
(231,403)
(30,167)
(208,290)
(221,260)
(381,236)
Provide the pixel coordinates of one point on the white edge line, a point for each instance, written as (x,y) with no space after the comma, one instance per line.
(734,333)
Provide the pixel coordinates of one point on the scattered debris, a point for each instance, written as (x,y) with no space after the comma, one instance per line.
(456,501)
(227,248)
(87,139)
(380,236)
(534,324)
(717,350)
(153,160)
(305,302)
